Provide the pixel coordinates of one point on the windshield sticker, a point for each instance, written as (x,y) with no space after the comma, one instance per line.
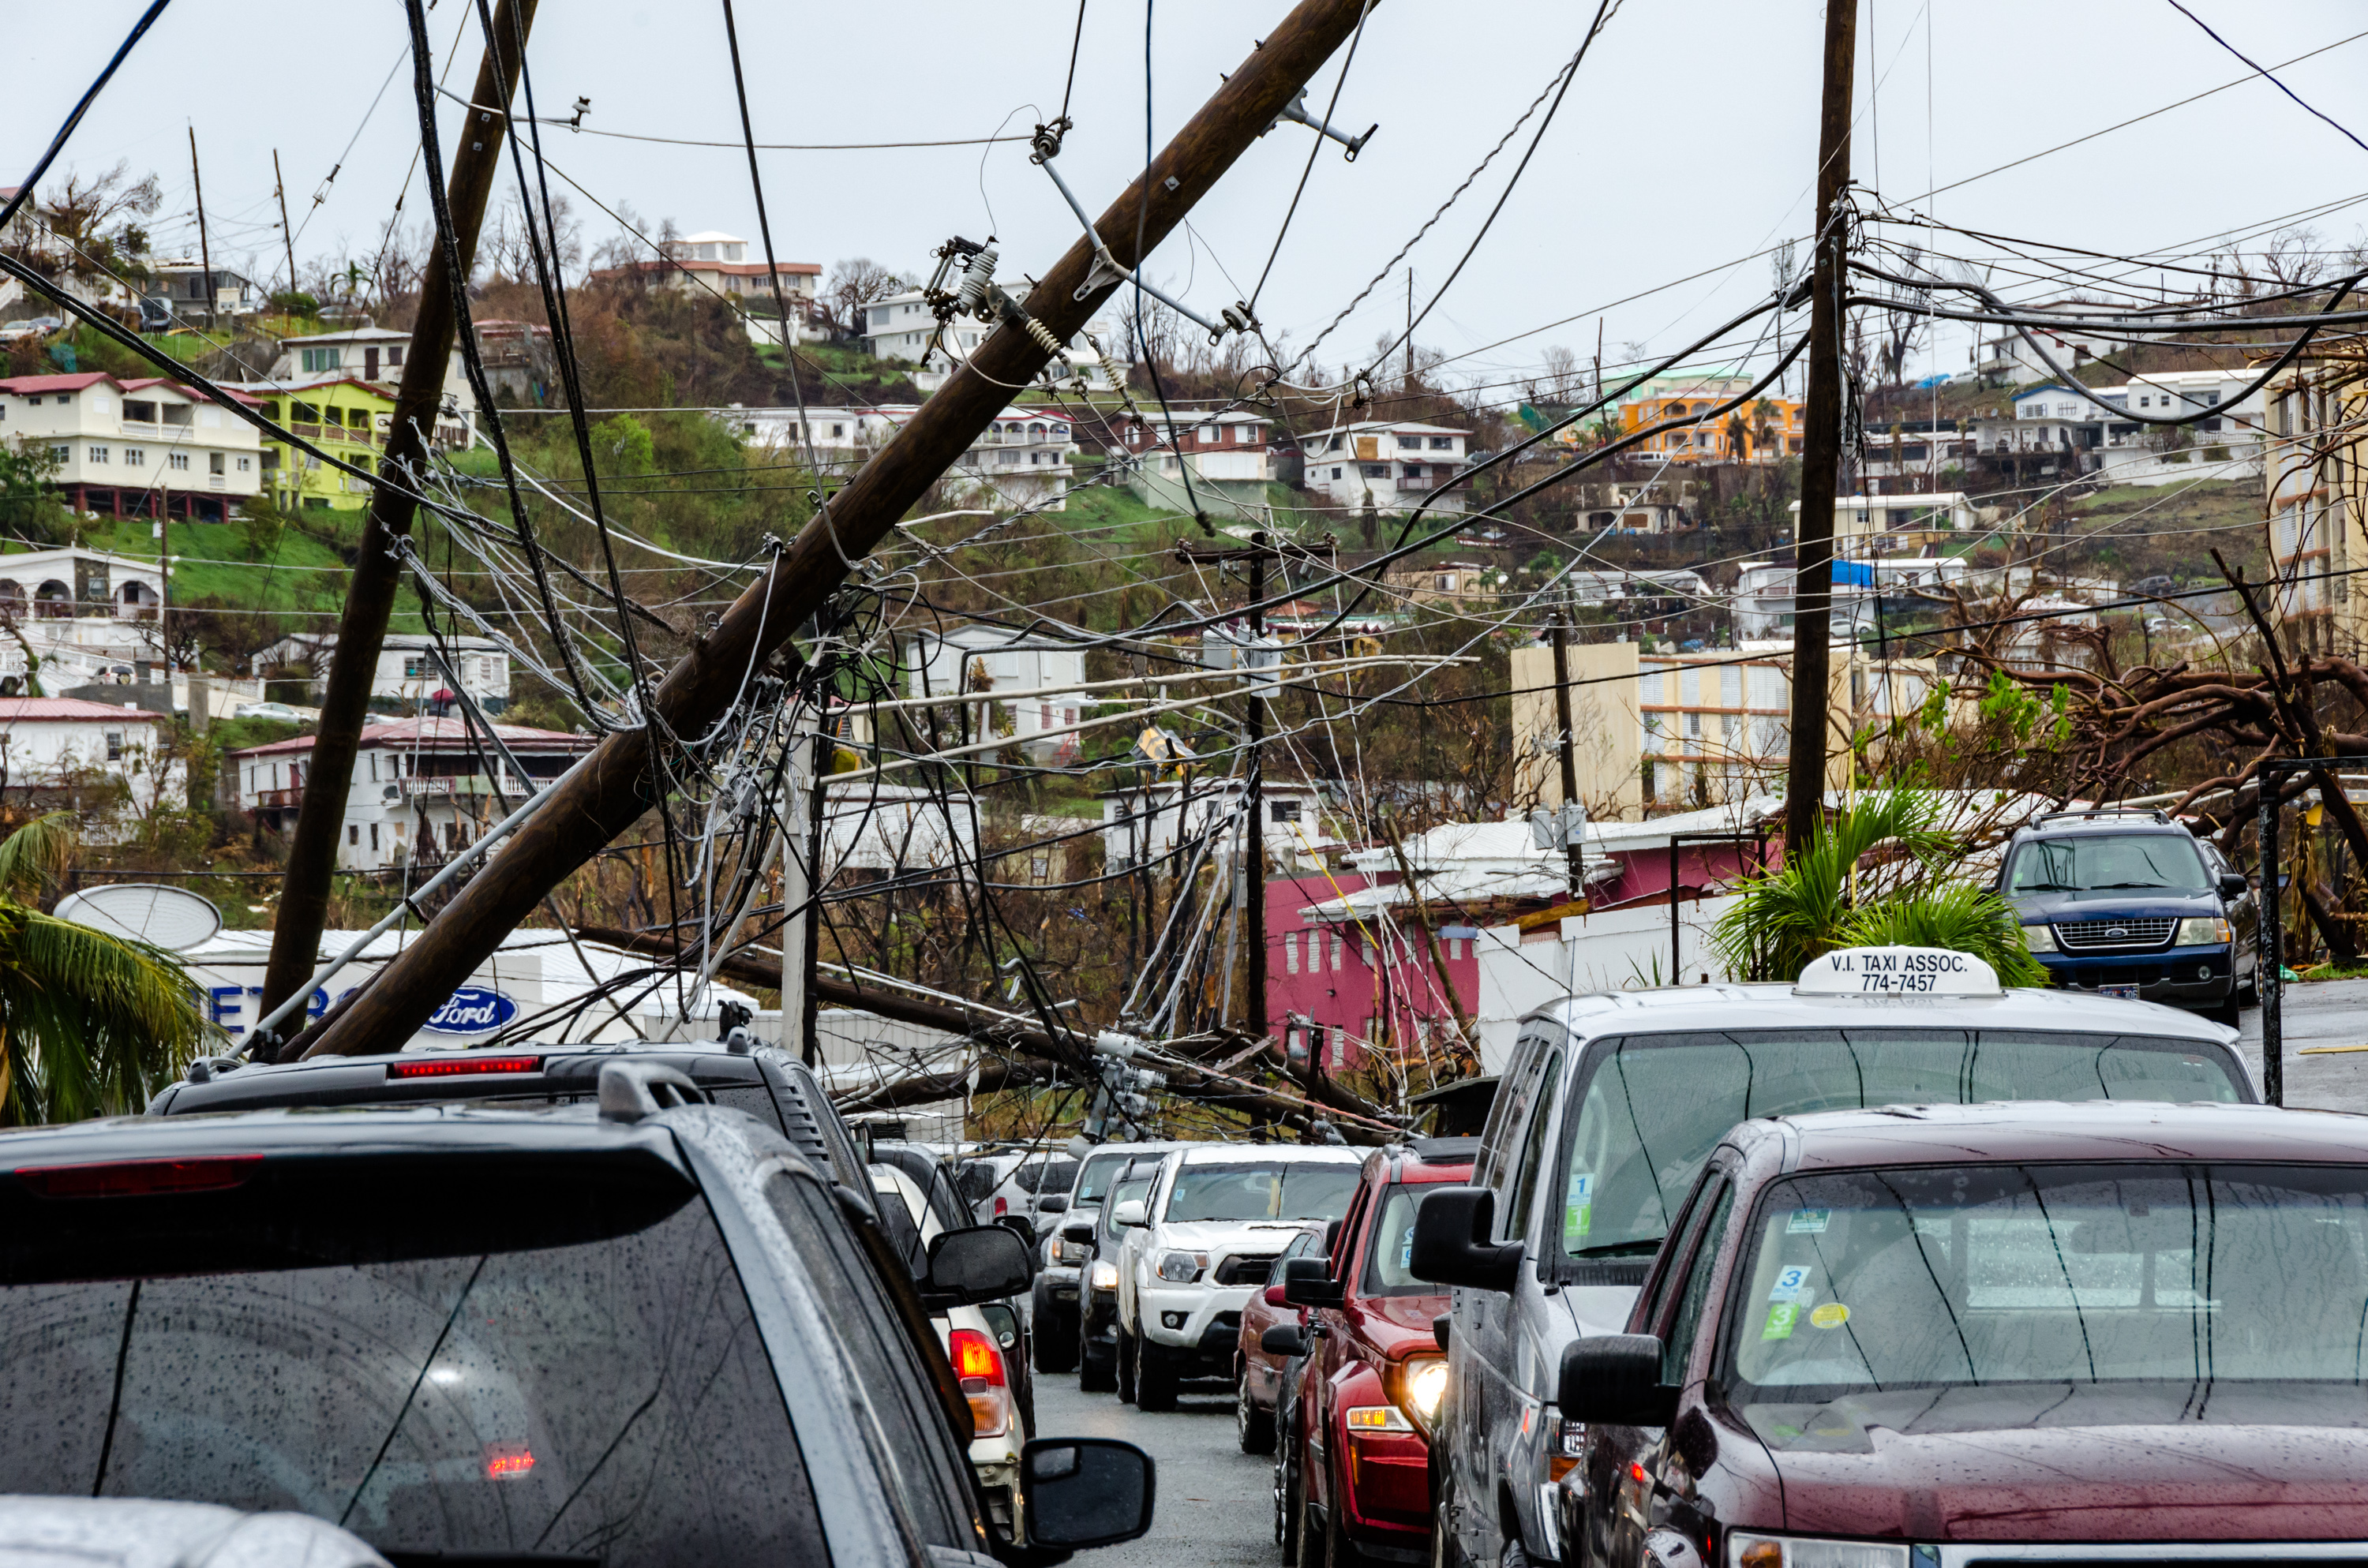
(1808,1222)
(1833,1314)
(1782,1317)
(1789,1283)
(1579,1209)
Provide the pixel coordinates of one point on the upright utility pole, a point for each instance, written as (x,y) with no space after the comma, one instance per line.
(1255,850)
(1409,374)
(1813,545)
(376,575)
(1567,744)
(205,251)
(287,234)
(617,782)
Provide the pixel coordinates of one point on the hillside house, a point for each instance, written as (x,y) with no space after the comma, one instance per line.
(713,261)
(1397,465)
(1224,452)
(421,788)
(64,752)
(1020,459)
(375,354)
(902,327)
(350,418)
(176,293)
(407,677)
(997,659)
(141,447)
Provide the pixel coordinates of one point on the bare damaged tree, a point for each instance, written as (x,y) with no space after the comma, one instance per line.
(855,283)
(2293,259)
(1563,380)
(91,215)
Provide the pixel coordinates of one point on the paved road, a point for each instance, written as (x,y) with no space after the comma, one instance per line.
(2331,1012)
(1215,1502)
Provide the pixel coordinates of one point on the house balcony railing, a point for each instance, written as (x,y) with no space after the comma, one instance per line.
(278,799)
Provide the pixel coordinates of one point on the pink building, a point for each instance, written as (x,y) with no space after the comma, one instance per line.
(1342,981)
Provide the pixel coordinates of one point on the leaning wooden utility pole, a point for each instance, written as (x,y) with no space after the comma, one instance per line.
(377,572)
(287,234)
(205,250)
(617,783)
(1813,541)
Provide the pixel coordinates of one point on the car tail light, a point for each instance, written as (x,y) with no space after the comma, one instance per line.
(139,1179)
(507,1462)
(460,1067)
(1002,1207)
(979,1364)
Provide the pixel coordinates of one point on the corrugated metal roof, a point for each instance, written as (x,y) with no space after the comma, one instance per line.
(14,710)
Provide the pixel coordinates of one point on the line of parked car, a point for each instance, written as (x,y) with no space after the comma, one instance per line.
(1888,1267)
(648,1305)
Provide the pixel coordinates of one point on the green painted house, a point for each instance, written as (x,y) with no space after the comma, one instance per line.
(348,419)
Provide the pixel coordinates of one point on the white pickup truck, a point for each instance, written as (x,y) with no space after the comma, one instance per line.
(1205,1237)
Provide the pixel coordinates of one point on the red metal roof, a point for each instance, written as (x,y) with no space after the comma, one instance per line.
(13,710)
(24,386)
(182,387)
(403,733)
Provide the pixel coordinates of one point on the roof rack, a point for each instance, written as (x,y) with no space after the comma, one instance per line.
(2155,811)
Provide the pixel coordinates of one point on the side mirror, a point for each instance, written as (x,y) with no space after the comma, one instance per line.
(1615,1378)
(1307,1282)
(1451,1244)
(1273,1296)
(981,1263)
(1077,1493)
(1052,1203)
(1129,1214)
(1284,1339)
(1079,1232)
(2234,886)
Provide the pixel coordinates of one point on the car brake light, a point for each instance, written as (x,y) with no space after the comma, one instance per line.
(975,1359)
(508,1461)
(139,1179)
(1002,1207)
(460,1067)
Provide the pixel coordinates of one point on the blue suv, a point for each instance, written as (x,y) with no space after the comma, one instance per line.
(2124,901)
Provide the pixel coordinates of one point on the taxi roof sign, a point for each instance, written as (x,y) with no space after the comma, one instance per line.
(1897,971)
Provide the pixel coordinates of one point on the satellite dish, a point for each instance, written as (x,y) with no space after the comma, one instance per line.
(173,919)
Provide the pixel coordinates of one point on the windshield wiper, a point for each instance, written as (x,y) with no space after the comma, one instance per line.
(2045,887)
(402,1559)
(2152,887)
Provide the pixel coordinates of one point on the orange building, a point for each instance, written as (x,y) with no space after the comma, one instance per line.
(1762,430)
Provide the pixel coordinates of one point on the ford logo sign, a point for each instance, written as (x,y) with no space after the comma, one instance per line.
(472,1009)
(2116,934)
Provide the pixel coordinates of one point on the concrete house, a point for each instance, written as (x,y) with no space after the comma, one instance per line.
(350,418)
(141,447)
(1396,464)
(407,675)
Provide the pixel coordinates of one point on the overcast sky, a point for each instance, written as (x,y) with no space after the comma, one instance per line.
(1688,142)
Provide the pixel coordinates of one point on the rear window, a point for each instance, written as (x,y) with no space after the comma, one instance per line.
(1052,1177)
(466,1357)
(1652,1108)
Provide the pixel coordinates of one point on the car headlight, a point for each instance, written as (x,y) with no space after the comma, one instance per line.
(1105,1276)
(1801,1551)
(1422,1383)
(2203,930)
(1183,1268)
(2040,939)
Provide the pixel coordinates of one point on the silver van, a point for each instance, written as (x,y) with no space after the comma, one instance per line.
(1607,1111)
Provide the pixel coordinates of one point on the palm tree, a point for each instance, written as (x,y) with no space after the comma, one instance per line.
(90,1024)
(1806,908)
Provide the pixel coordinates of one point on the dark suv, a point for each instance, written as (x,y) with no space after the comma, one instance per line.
(650,1333)
(2127,903)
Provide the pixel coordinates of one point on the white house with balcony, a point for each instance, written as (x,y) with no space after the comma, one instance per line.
(1398,465)
(423,788)
(1039,672)
(87,617)
(1021,459)
(902,327)
(713,261)
(407,671)
(1190,458)
(141,447)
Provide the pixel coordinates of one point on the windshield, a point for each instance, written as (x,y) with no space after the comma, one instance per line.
(1095,1178)
(1652,1108)
(1389,1269)
(2093,863)
(1269,1190)
(527,1387)
(2052,1280)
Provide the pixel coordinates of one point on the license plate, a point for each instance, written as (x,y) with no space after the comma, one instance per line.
(2126,992)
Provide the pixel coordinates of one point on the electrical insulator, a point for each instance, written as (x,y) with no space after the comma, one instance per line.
(975,277)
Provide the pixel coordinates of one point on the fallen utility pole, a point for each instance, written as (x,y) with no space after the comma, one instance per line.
(1032,1048)
(620,782)
(377,572)
(1813,541)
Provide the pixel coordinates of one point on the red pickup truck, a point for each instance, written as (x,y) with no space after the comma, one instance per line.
(2027,1333)
(1355,1455)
